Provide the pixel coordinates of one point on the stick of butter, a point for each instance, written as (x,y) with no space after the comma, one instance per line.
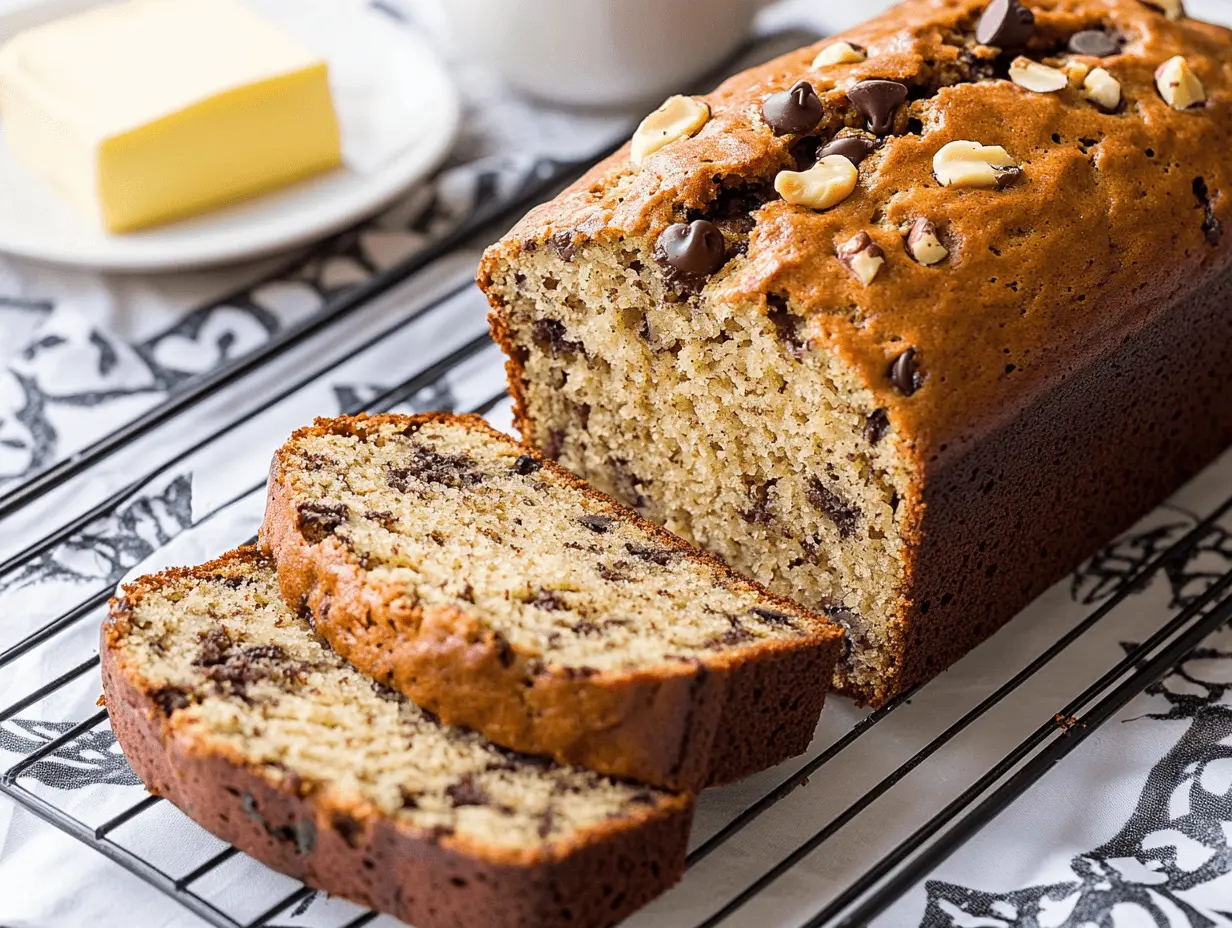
(151,110)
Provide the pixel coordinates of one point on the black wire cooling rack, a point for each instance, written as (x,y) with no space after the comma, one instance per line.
(913,854)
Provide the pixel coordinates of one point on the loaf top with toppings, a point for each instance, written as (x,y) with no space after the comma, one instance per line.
(1085,203)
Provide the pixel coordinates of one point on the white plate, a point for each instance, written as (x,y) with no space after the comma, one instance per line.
(399,114)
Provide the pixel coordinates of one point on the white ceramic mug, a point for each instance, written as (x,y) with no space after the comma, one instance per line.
(599,52)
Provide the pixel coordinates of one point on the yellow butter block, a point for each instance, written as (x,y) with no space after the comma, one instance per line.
(151,110)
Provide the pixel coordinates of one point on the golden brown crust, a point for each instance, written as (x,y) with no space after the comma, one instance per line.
(682,724)
(1121,223)
(348,849)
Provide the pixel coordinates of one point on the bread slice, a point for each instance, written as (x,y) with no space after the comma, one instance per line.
(499,591)
(227,703)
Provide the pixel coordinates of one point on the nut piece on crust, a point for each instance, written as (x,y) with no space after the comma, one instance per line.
(503,594)
(227,703)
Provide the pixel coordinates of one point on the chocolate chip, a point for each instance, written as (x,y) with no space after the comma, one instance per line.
(545,822)
(787,325)
(794,110)
(877,100)
(737,634)
(1211,226)
(772,616)
(660,556)
(466,792)
(215,647)
(855,148)
(550,333)
(429,466)
(526,465)
(170,698)
(318,519)
(562,244)
(1006,23)
(876,426)
(612,574)
(350,830)
(905,373)
(693,251)
(844,516)
(586,628)
(549,600)
(1094,42)
(760,513)
(600,525)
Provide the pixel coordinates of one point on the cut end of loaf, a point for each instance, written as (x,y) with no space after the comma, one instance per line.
(234,672)
(719,418)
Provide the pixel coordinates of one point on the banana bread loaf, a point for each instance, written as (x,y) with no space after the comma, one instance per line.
(905,324)
(501,593)
(228,704)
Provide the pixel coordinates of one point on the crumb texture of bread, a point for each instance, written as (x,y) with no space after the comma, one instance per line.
(231,705)
(499,591)
(916,407)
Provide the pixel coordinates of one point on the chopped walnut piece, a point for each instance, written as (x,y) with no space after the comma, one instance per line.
(827,183)
(679,117)
(862,256)
(923,243)
(1102,89)
(1178,84)
(838,53)
(970,164)
(1036,77)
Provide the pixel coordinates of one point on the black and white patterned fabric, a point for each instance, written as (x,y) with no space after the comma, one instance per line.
(1133,828)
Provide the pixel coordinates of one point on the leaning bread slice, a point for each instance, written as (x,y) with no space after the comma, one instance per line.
(228,703)
(499,591)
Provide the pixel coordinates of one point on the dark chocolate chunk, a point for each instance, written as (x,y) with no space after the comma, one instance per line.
(171,698)
(1212,228)
(772,616)
(659,556)
(1006,23)
(215,647)
(600,525)
(549,600)
(550,334)
(613,574)
(526,465)
(792,111)
(429,466)
(787,325)
(1094,42)
(737,634)
(562,244)
(905,373)
(693,251)
(350,830)
(466,792)
(876,426)
(855,148)
(760,513)
(586,628)
(545,822)
(844,516)
(318,519)
(877,100)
